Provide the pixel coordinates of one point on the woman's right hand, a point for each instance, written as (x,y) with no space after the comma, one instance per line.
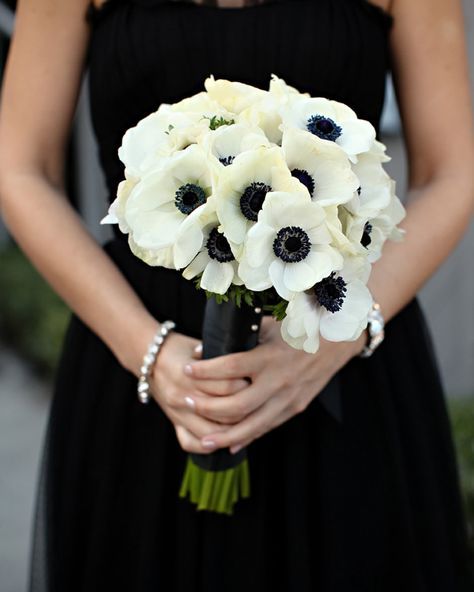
(171,388)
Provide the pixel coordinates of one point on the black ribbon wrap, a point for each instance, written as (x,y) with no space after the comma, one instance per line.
(227,329)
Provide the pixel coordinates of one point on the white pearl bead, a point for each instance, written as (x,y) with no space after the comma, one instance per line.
(144,398)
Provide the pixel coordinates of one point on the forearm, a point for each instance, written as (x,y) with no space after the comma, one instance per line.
(54,238)
(437,217)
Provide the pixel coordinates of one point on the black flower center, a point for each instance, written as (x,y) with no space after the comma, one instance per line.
(331,292)
(359,190)
(227,160)
(292,244)
(305,178)
(189,197)
(366,238)
(252,199)
(218,247)
(324,127)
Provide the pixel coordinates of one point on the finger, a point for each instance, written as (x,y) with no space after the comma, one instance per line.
(199,426)
(189,442)
(239,365)
(221,387)
(252,427)
(233,408)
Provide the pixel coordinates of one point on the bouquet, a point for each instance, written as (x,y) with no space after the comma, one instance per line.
(271,201)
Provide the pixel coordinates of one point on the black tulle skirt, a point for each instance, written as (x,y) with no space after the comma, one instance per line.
(369,503)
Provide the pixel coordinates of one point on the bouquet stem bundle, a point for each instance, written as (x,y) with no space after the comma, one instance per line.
(216,481)
(216,491)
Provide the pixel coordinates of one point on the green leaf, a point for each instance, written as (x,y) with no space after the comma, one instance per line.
(215,122)
(277,310)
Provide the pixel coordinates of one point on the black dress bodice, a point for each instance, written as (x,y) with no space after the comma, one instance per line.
(148,52)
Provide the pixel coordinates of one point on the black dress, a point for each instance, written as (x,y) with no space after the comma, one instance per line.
(370,503)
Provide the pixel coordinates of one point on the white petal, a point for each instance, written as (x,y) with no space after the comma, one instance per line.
(357,136)
(196,266)
(300,328)
(156,258)
(323,261)
(186,248)
(348,323)
(155,230)
(254,278)
(217,277)
(276,272)
(190,236)
(299,276)
(110,218)
(259,244)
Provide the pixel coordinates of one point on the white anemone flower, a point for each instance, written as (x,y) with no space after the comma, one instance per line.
(161,202)
(335,308)
(241,189)
(203,250)
(233,96)
(215,262)
(228,141)
(289,247)
(332,121)
(370,234)
(375,186)
(322,167)
(158,135)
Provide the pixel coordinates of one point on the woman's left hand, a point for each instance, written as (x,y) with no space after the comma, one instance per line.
(283,383)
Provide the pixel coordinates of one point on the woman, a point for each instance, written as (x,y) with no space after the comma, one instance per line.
(369,503)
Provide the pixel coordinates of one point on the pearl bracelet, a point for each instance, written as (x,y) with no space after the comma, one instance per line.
(375,330)
(149,361)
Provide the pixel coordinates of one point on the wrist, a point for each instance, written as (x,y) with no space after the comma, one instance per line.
(132,347)
(149,360)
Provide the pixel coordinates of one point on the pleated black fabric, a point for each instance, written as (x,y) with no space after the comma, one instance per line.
(368,504)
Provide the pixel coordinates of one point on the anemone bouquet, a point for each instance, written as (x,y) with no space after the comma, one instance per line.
(270,201)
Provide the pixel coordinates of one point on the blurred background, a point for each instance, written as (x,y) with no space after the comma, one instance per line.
(33,319)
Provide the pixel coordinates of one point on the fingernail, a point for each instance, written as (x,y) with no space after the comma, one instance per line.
(236,448)
(191,403)
(208,443)
(198,348)
(188,369)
